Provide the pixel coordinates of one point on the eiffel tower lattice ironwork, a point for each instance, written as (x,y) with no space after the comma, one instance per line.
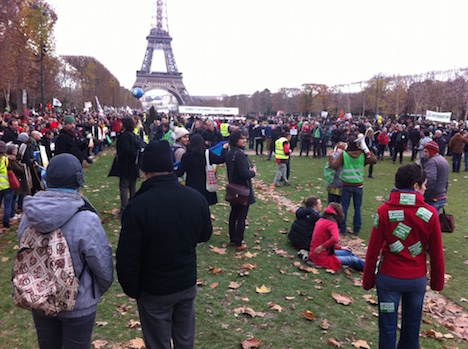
(171,79)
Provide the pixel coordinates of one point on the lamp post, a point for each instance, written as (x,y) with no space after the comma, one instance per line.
(43,50)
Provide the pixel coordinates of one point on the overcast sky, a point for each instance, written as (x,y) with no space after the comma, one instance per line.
(242,46)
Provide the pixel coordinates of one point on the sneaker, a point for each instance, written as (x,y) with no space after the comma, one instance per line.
(303,255)
(371,176)
(15,217)
(277,184)
(287,184)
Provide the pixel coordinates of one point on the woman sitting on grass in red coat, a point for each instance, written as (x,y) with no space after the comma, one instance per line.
(324,249)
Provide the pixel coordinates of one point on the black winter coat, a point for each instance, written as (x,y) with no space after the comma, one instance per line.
(70,143)
(161,227)
(194,165)
(239,172)
(302,229)
(124,165)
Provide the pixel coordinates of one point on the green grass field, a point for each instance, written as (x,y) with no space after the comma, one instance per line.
(229,309)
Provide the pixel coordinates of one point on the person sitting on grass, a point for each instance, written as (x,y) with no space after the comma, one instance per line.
(324,249)
(307,215)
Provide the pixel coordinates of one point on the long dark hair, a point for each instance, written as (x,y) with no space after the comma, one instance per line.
(196,145)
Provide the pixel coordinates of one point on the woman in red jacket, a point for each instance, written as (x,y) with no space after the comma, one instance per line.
(324,249)
(405,227)
(382,138)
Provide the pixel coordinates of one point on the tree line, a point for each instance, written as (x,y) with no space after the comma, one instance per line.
(26,39)
(27,35)
(444,91)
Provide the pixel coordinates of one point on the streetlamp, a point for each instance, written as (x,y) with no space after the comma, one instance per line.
(43,50)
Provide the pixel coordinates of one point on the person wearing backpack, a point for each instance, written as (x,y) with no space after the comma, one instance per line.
(62,207)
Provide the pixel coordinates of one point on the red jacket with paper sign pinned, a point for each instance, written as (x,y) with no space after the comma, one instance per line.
(326,233)
(405,229)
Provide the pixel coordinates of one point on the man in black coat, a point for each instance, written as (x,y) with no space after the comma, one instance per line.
(10,134)
(124,165)
(69,141)
(211,135)
(156,254)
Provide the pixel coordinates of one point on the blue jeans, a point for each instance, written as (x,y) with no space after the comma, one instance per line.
(346,194)
(348,258)
(7,196)
(389,292)
(456,162)
(466,161)
(438,204)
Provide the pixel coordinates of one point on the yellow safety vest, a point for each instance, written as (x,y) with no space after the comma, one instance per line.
(224,129)
(279,150)
(4,183)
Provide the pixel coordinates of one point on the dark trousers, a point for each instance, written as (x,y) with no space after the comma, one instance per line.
(456,158)
(237,223)
(64,333)
(259,143)
(317,148)
(168,317)
(127,187)
(305,147)
(396,152)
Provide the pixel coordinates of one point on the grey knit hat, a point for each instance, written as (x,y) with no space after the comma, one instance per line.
(64,171)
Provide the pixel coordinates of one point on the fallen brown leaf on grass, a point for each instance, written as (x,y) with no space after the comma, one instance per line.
(361,344)
(234,284)
(214,285)
(134,324)
(136,343)
(342,299)
(249,266)
(217,233)
(308,315)
(248,311)
(99,343)
(123,308)
(215,270)
(302,267)
(370,298)
(334,342)
(325,325)
(101,323)
(251,343)
(218,250)
(274,306)
(200,282)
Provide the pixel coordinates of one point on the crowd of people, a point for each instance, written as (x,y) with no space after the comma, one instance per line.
(175,150)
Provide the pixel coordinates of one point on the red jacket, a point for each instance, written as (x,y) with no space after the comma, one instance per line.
(325,232)
(405,228)
(382,138)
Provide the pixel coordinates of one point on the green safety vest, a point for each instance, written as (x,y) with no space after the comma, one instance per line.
(329,173)
(279,150)
(317,132)
(353,168)
(224,128)
(4,183)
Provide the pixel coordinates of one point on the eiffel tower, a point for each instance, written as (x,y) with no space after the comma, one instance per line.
(171,79)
